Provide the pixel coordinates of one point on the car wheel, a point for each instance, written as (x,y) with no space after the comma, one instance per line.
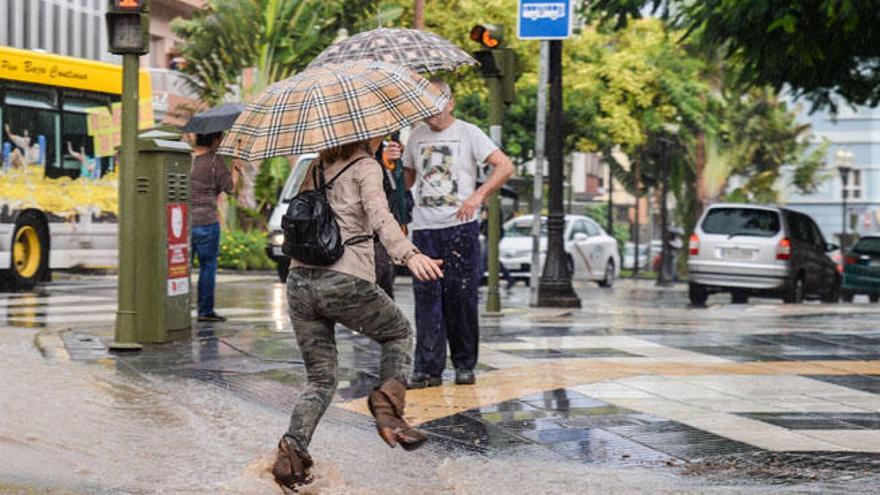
(283,268)
(569,263)
(874,297)
(30,252)
(794,290)
(847,295)
(608,281)
(833,293)
(698,294)
(739,297)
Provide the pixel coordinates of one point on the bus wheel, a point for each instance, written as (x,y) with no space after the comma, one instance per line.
(30,252)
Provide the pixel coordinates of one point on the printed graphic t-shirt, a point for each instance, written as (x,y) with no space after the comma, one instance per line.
(446,165)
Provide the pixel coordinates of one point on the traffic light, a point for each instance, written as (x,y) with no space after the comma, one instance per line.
(128,26)
(488,35)
(495,61)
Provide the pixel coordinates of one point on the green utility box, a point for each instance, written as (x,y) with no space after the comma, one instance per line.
(162,172)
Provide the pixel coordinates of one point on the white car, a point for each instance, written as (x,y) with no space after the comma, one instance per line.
(591,253)
(276,235)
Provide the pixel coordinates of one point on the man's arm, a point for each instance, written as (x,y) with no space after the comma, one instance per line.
(502,171)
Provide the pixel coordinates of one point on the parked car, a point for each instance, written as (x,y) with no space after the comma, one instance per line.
(276,235)
(861,269)
(629,256)
(591,254)
(760,250)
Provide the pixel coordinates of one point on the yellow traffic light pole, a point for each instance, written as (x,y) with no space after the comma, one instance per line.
(498,67)
(128,32)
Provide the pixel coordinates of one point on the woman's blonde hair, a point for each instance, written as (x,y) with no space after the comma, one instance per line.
(343,152)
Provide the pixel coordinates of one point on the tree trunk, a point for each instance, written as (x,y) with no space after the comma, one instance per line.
(419,14)
(699,173)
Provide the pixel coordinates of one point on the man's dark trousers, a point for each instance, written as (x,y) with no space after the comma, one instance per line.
(447,308)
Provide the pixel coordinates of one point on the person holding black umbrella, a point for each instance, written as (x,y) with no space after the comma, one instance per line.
(209,177)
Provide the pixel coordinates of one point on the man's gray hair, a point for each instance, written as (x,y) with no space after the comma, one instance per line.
(443,85)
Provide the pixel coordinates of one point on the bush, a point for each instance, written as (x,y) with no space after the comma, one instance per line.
(244,250)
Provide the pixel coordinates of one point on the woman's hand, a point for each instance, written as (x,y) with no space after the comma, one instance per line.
(424,268)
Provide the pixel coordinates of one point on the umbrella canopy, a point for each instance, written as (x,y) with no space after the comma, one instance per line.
(217,119)
(421,51)
(330,106)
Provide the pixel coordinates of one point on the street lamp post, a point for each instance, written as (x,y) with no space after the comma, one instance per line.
(556,290)
(844,167)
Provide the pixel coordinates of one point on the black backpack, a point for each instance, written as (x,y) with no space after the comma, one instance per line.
(311,233)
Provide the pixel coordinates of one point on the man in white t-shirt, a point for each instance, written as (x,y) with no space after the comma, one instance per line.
(441,161)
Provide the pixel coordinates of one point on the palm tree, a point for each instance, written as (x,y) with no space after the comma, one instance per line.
(275,38)
(250,44)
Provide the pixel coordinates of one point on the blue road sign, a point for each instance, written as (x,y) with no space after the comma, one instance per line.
(544,19)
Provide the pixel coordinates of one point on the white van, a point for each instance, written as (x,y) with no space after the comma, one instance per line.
(276,235)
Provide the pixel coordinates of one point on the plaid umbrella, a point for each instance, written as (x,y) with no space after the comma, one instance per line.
(330,106)
(421,51)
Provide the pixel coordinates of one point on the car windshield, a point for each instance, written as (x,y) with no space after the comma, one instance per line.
(868,245)
(741,221)
(523,228)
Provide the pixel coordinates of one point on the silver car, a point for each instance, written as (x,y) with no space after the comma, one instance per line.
(760,250)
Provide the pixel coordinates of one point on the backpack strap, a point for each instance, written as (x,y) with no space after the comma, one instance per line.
(318,176)
(346,167)
(357,240)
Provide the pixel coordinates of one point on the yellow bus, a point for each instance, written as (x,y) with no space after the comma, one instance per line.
(59,126)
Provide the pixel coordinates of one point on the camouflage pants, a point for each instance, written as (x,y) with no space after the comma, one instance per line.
(317,300)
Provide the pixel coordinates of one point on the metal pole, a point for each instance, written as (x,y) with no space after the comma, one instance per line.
(125,334)
(845,179)
(556,289)
(538,182)
(493,237)
(649,213)
(610,202)
(636,235)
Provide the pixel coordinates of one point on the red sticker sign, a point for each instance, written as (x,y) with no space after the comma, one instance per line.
(178,248)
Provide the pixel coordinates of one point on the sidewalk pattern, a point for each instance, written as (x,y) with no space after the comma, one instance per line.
(631,379)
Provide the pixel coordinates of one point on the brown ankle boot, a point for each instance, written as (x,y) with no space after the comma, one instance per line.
(292,464)
(386,404)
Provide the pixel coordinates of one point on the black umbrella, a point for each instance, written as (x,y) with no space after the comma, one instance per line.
(217,119)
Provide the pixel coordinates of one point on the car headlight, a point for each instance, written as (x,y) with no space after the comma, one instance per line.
(278,239)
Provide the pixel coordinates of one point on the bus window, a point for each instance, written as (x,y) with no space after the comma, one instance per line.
(78,147)
(31,128)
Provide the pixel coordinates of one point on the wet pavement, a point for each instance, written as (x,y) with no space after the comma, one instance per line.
(634,388)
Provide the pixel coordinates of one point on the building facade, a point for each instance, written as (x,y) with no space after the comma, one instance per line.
(76,28)
(857,132)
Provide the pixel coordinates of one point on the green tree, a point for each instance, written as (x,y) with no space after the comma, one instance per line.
(275,37)
(821,49)
(759,136)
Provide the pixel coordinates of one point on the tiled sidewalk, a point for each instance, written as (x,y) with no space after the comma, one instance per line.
(633,378)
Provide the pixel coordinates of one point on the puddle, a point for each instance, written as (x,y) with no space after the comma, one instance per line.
(74,428)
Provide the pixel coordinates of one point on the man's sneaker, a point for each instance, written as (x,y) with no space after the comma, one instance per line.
(212,317)
(424,380)
(465,377)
